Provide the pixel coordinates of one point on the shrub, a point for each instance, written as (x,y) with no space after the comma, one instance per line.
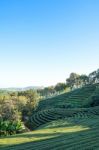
(10,127)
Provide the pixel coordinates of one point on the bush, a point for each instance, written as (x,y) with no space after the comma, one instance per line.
(10,127)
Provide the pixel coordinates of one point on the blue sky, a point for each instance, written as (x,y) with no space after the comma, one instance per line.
(43,41)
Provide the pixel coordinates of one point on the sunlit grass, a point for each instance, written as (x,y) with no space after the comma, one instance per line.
(40,134)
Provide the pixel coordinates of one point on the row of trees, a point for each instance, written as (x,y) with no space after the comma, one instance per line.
(52,90)
(77,81)
(73,82)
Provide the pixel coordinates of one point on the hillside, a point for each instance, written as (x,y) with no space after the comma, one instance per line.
(74,99)
(62,122)
(69,133)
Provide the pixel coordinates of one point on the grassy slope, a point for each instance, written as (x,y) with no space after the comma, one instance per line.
(78,130)
(61,134)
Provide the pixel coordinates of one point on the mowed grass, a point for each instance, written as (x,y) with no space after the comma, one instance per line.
(69,133)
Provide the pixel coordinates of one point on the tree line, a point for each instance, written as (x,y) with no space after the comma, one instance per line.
(76,81)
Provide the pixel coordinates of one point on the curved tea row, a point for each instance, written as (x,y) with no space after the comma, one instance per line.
(73,99)
(42,117)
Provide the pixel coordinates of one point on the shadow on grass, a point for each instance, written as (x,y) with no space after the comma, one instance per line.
(48,143)
(36,145)
(32,134)
(57,139)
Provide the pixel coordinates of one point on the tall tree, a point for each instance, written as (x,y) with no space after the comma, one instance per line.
(72,81)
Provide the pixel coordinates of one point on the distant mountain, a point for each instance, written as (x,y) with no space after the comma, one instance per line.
(22,89)
(33,87)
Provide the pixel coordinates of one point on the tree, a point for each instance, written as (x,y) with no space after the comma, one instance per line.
(94,77)
(77,81)
(9,117)
(20,103)
(83,80)
(46,92)
(72,81)
(8,111)
(32,101)
(60,87)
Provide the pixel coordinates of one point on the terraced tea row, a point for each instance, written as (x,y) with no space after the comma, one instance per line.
(49,115)
(76,98)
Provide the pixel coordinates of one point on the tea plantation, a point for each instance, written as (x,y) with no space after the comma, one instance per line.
(64,122)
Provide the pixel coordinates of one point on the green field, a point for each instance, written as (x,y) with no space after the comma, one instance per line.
(62,122)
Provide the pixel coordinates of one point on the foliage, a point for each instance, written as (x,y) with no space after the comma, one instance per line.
(8,110)
(10,127)
(76,80)
(94,77)
(60,87)
(72,80)
(14,108)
